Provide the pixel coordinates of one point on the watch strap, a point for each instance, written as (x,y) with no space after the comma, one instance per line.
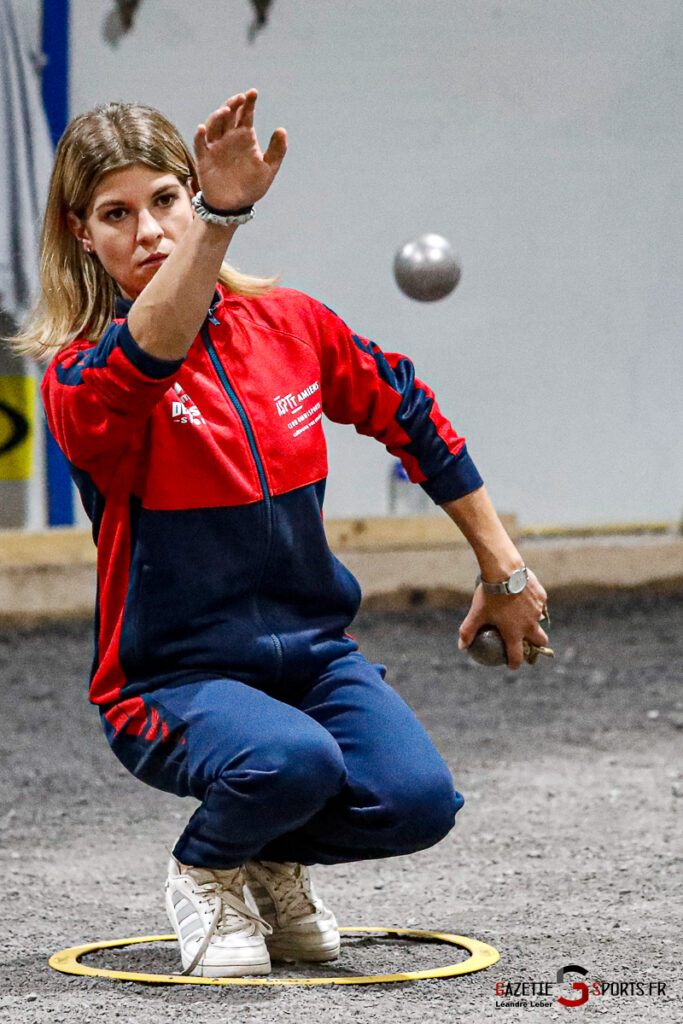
(504,586)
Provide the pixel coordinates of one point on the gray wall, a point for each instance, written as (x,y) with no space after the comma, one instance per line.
(541,137)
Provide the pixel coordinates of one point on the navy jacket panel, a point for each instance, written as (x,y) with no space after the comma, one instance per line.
(216,590)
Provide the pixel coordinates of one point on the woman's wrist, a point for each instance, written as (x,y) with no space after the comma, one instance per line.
(493,548)
(496,566)
(223,217)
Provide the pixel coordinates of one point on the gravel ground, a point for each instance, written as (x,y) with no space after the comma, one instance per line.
(565,853)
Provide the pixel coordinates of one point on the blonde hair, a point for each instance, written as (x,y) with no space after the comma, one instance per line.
(78,294)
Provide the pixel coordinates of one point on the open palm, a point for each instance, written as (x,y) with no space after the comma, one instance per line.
(233,171)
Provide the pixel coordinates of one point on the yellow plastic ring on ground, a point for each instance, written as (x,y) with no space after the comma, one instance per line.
(481,957)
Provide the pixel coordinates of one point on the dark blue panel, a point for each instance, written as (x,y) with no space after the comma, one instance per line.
(93,503)
(207,592)
(92,498)
(56,71)
(56,100)
(460,477)
(143,361)
(58,483)
(121,306)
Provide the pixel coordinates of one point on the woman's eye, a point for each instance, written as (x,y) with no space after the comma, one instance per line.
(116,213)
(167,199)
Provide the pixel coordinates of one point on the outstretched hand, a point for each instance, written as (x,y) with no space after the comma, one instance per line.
(515,616)
(233,171)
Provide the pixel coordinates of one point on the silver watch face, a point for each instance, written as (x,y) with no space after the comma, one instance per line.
(517,581)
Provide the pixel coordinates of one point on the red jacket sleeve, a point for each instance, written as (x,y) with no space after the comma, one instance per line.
(380,394)
(98,398)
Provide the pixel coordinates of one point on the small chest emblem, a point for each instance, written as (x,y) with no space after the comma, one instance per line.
(302,413)
(183,409)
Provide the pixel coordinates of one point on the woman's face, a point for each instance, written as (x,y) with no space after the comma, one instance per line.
(135,219)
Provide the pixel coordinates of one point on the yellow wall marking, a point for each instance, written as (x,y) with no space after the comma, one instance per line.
(17,412)
(481,956)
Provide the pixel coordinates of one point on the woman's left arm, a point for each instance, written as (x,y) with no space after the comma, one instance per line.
(380,394)
(515,615)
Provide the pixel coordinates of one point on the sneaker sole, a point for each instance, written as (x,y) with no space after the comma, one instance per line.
(231,971)
(311,954)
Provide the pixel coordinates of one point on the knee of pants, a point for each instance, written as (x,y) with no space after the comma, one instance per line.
(420,811)
(301,771)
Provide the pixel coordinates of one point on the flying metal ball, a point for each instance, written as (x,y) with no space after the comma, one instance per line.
(426,268)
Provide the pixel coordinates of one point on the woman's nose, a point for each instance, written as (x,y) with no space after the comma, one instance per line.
(149,229)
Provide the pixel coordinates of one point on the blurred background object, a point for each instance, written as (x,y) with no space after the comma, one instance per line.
(261,10)
(25,166)
(119,20)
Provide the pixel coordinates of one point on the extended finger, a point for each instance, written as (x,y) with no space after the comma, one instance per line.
(218,123)
(245,117)
(277,147)
(238,98)
(235,105)
(200,146)
(225,117)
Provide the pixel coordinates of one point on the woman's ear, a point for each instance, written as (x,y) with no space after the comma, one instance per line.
(76,226)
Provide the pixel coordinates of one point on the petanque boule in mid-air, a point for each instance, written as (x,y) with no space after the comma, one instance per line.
(426,268)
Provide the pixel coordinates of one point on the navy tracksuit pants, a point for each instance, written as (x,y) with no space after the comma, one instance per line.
(343,771)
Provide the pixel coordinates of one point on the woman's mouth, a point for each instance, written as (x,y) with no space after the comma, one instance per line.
(155,258)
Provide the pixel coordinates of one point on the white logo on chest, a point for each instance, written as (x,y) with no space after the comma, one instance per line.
(183,410)
(292,404)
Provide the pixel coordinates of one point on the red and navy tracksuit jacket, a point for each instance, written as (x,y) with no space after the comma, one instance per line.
(204,480)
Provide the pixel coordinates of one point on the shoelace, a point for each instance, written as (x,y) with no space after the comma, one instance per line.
(230,915)
(289,890)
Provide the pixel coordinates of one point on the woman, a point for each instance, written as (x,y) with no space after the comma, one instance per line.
(223,669)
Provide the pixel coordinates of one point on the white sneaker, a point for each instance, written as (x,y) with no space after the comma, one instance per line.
(303,928)
(220,932)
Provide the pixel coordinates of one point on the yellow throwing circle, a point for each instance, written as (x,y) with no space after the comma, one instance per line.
(68,961)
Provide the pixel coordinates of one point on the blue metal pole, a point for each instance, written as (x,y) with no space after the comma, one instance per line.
(56,100)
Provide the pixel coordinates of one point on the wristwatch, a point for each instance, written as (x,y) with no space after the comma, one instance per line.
(514,584)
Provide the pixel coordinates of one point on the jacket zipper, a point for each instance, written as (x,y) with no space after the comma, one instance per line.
(253,447)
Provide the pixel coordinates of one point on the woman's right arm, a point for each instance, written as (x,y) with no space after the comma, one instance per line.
(233,173)
(97,398)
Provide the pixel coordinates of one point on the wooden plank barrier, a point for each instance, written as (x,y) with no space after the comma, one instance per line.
(394,533)
(399,563)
